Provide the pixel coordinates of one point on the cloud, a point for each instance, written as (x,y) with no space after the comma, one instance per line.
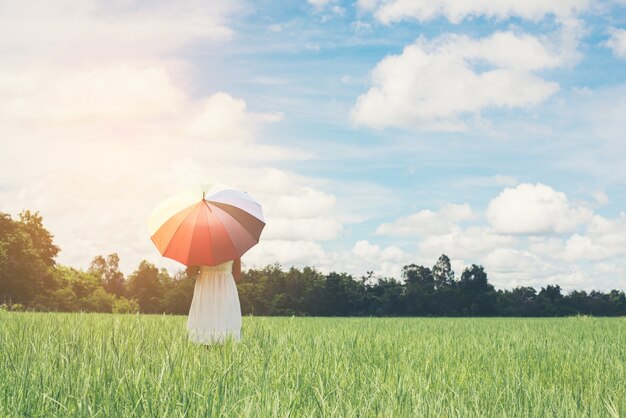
(307,203)
(603,239)
(534,209)
(588,259)
(89,96)
(362,257)
(387,261)
(285,252)
(320,3)
(95,188)
(509,267)
(99,125)
(535,236)
(434,84)
(427,222)
(313,229)
(617,42)
(470,243)
(505,180)
(389,11)
(329,5)
(93,31)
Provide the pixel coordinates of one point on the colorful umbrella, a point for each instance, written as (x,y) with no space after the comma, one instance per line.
(206,225)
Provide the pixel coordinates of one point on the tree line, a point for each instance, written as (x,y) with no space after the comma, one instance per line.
(31,279)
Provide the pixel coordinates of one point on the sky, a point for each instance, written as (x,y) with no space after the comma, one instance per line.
(375,133)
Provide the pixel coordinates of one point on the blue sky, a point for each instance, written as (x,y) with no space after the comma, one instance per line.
(375,133)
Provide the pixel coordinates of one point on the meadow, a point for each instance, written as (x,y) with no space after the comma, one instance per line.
(54,364)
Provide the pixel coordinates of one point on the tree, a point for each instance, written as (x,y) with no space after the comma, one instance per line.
(26,254)
(179,293)
(389,299)
(73,290)
(32,224)
(123,305)
(420,287)
(145,285)
(478,295)
(520,301)
(342,295)
(549,301)
(442,272)
(108,271)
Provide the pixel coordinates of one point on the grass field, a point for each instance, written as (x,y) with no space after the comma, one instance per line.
(122,365)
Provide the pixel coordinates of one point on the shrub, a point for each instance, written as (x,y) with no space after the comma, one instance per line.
(16,307)
(123,305)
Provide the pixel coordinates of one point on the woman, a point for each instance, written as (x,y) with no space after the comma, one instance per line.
(215,313)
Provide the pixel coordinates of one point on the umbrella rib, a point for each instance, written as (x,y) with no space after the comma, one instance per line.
(191,240)
(240,223)
(242,226)
(177,229)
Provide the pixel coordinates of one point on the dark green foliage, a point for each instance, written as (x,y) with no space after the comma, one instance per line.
(146,285)
(272,291)
(108,272)
(29,278)
(178,293)
(26,254)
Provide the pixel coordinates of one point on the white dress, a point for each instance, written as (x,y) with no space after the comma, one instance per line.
(215,313)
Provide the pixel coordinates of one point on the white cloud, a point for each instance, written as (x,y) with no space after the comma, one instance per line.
(547,246)
(330,5)
(389,11)
(76,32)
(534,209)
(358,260)
(387,261)
(505,180)
(617,42)
(509,267)
(95,191)
(320,3)
(88,96)
(470,243)
(427,222)
(312,229)
(576,248)
(603,239)
(98,126)
(287,253)
(509,259)
(276,27)
(305,204)
(600,197)
(591,259)
(434,84)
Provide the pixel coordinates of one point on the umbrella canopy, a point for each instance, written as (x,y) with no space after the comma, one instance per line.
(206,225)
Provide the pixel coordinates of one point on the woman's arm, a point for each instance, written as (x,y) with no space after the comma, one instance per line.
(237,269)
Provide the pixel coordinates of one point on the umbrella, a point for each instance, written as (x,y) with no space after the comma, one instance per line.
(206,225)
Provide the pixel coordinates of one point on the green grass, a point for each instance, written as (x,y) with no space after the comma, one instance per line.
(142,365)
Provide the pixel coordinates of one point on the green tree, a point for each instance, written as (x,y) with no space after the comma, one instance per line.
(123,305)
(442,272)
(146,286)
(32,224)
(549,300)
(178,293)
(26,254)
(420,287)
(108,271)
(477,295)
